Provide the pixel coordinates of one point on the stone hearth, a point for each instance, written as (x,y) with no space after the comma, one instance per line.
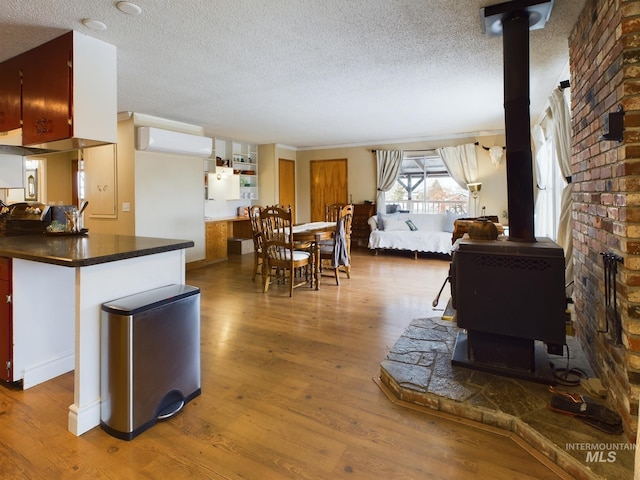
(418,371)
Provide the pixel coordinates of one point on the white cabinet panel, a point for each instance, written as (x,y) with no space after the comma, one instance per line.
(100,181)
(11,171)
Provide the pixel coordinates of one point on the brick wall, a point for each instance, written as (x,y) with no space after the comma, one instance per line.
(604,51)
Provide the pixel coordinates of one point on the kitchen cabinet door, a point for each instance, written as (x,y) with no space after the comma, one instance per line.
(47,91)
(100,180)
(10,95)
(12,171)
(6,321)
(216,240)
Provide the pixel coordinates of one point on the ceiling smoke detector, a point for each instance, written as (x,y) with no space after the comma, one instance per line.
(538,10)
(94,24)
(129,8)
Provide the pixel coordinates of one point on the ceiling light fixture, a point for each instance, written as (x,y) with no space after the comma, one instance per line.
(93,24)
(129,8)
(492,16)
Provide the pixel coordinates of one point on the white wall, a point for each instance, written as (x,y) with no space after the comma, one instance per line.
(219,207)
(169,199)
(493,194)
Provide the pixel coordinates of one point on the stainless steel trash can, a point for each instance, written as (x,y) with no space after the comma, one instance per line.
(150,358)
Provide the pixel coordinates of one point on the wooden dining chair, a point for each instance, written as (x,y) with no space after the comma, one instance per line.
(337,253)
(256,233)
(280,257)
(332,212)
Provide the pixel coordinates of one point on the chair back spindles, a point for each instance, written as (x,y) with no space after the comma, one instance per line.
(332,212)
(279,253)
(337,252)
(277,231)
(256,233)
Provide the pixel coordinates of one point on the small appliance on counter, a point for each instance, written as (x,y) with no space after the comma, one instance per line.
(243,211)
(58,212)
(27,218)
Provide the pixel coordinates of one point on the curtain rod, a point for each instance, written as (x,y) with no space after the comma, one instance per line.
(421,150)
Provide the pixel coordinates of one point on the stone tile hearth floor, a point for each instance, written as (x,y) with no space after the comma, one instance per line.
(418,371)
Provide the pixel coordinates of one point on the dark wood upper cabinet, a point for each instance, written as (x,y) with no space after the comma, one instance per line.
(47,91)
(68,96)
(10,95)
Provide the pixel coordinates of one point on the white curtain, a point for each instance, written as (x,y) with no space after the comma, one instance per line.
(389,163)
(561,119)
(545,225)
(461,163)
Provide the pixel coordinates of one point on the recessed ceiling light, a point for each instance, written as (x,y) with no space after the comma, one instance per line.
(93,24)
(129,8)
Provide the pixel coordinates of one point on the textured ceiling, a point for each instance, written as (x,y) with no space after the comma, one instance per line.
(305,72)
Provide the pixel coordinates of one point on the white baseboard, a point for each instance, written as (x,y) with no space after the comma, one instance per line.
(32,376)
(83,419)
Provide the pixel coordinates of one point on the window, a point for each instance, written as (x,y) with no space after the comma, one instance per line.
(549,189)
(425,186)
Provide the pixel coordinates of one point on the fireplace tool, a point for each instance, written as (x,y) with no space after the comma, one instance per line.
(613,323)
(437,299)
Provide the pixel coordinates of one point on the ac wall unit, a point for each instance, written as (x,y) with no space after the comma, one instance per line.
(151,139)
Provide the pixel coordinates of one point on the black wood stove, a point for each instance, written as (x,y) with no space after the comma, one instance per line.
(509,294)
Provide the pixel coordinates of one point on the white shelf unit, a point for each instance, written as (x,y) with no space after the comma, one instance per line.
(242,157)
(244,162)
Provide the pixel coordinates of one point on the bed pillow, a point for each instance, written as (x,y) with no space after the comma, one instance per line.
(429,222)
(412,226)
(383,218)
(394,224)
(449,221)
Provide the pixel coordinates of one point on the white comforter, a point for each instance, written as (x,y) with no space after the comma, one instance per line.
(418,241)
(413,232)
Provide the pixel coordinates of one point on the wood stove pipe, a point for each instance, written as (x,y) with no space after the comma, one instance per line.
(517,126)
(514,19)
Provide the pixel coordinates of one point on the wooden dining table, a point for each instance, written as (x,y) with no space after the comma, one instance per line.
(314,232)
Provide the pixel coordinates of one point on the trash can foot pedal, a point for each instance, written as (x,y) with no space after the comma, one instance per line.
(171,404)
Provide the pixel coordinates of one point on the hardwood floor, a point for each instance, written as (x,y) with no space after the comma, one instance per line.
(287,393)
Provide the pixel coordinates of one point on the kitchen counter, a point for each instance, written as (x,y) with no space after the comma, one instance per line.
(71,277)
(85,250)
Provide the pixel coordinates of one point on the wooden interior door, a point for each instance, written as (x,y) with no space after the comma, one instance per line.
(329,184)
(287,184)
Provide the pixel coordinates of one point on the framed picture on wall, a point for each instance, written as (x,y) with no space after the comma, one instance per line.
(31,185)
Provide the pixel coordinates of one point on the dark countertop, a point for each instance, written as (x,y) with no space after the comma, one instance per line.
(85,250)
